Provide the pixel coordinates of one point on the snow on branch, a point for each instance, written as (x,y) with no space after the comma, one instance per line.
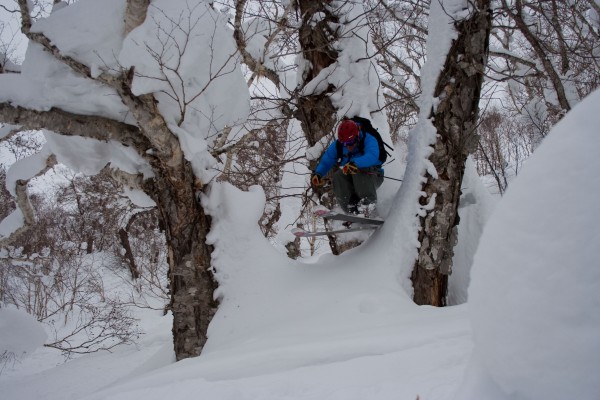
(43,40)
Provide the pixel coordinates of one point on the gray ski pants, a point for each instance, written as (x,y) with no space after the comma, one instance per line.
(361,188)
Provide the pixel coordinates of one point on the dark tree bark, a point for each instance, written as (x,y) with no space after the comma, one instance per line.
(133,269)
(458,89)
(315,111)
(189,256)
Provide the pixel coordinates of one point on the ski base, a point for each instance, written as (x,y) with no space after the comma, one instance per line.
(299,232)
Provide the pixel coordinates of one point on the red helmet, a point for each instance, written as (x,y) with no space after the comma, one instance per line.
(347,131)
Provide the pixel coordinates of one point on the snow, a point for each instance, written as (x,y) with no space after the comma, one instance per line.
(345,327)
(11,223)
(20,333)
(89,156)
(6,129)
(173,52)
(186,56)
(293,182)
(476,205)
(99,36)
(353,74)
(536,271)
(138,197)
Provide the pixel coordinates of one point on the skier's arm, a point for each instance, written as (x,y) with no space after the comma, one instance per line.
(327,161)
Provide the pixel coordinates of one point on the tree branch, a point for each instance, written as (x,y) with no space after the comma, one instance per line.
(70,124)
(552,74)
(257,67)
(144,108)
(23,203)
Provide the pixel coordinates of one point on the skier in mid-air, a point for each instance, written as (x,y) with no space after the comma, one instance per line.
(357,153)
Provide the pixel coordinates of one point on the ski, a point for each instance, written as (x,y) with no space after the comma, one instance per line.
(328,214)
(299,232)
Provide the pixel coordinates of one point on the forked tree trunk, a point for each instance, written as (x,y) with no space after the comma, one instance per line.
(191,282)
(455,119)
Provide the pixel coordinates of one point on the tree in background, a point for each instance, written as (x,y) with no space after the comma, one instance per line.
(85,228)
(399,30)
(555,44)
(543,59)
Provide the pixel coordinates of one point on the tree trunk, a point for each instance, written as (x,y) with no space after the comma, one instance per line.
(316,113)
(191,282)
(455,118)
(124,237)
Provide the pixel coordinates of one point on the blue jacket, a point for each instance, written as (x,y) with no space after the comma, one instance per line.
(369,157)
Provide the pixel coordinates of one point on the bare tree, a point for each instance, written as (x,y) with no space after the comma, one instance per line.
(504,145)
(50,274)
(549,49)
(490,150)
(399,30)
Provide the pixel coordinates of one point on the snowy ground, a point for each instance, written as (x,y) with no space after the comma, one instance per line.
(381,349)
(345,327)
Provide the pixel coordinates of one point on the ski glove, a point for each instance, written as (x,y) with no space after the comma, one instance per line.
(350,169)
(316,180)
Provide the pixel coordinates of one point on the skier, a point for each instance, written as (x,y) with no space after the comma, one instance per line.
(357,153)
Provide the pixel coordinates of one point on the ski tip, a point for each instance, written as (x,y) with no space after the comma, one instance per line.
(321,210)
(298,232)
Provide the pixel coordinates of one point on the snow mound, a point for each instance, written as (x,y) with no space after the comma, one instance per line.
(535,286)
(20,333)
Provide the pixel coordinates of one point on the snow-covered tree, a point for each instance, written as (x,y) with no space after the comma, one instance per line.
(441,141)
(331,76)
(147,88)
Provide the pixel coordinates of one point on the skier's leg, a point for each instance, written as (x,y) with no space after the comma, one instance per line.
(366,184)
(344,191)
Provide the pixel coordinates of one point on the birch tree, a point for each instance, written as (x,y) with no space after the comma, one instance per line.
(141,87)
(454,118)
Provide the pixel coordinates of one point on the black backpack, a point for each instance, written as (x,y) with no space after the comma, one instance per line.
(366,128)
